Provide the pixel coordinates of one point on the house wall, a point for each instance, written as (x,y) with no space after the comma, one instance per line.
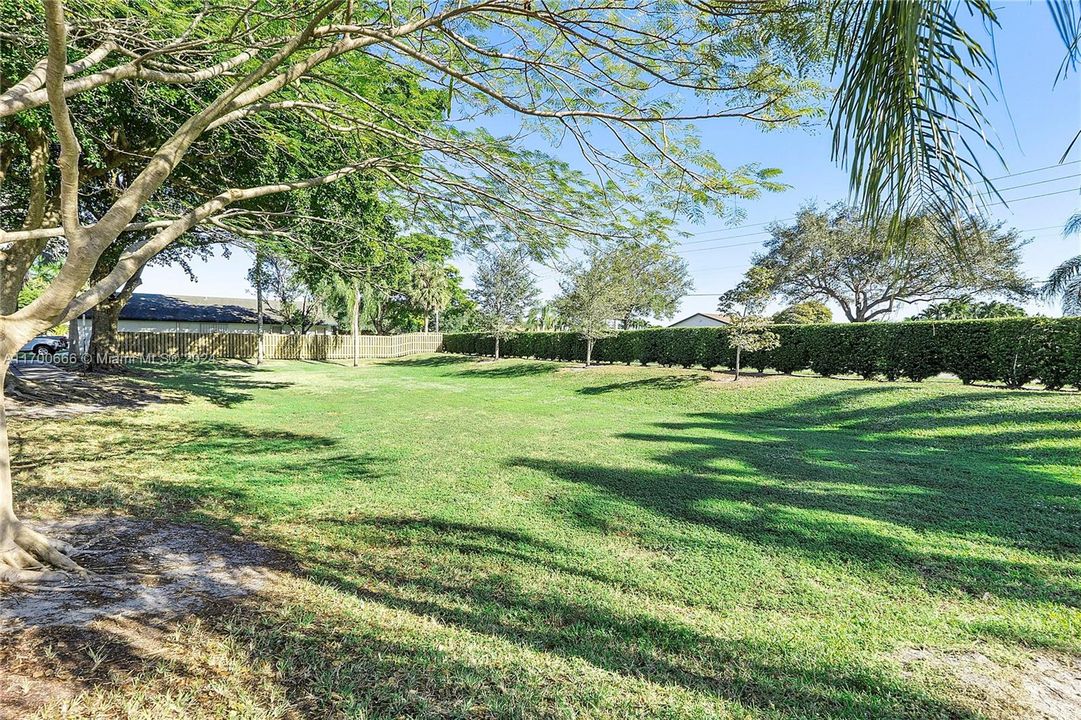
(698,321)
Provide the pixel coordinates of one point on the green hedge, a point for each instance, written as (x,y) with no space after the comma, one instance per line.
(1013,351)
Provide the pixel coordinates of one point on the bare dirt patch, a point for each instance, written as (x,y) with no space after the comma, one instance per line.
(1045,687)
(39,391)
(58,639)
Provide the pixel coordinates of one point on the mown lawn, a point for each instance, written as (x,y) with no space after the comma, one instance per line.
(527,540)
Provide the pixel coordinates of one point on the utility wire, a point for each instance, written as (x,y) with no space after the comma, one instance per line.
(764,232)
(1000,177)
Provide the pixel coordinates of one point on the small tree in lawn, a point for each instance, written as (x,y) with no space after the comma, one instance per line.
(748,330)
(505,290)
(591,299)
(749,333)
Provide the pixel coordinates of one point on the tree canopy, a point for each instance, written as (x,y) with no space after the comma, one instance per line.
(810,312)
(967,309)
(836,254)
(505,289)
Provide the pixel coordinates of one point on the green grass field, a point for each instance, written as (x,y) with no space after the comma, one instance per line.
(525,540)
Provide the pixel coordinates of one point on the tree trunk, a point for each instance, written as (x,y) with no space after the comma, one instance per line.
(24,553)
(736,378)
(104,352)
(7,504)
(589,350)
(437,322)
(16,261)
(496,347)
(259,309)
(426,318)
(355,326)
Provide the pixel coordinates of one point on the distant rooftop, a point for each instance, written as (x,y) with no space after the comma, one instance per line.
(195,308)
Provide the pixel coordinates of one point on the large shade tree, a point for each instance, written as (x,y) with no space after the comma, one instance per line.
(838,255)
(651,279)
(621,81)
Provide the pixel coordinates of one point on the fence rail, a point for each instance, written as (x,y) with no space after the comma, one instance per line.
(244,346)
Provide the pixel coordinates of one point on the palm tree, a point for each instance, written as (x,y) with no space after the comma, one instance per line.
(1065,281)
(542,317)
(908,113)
(430,288)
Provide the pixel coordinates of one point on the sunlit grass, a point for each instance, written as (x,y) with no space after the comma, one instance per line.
(524,540)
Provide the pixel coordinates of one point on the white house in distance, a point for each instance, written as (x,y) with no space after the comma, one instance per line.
(150,312)
(702,320)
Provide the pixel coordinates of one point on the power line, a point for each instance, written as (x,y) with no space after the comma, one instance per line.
(719,247)
(997,202)
(735,237)
(1035,170)
(1038,182)
(1033,197)
(1000,177)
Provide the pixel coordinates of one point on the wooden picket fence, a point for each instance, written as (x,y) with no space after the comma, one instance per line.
(244,346)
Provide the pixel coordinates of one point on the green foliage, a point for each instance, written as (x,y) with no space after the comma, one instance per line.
(811,312)
(430,288)
(591,299)
(1064,282)
(966,309)
(41,274)
(750,334)
(908,110)
(1012,351)
(505,288)
(648,280)
(837,254)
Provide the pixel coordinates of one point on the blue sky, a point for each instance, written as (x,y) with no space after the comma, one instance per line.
(1034,119)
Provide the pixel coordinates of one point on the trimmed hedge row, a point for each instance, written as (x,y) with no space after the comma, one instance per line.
(1013,351)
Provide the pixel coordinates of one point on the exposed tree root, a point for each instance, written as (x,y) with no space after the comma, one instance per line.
(28,391)
(30,557)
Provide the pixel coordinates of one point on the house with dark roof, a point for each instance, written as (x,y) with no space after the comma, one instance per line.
(152,312)
(703,320)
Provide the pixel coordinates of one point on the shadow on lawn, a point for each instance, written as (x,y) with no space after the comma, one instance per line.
(225,384)
(496,370)
(432,361)
(469,578)
(138,468)
(801,461)
(662,382)
(793,476)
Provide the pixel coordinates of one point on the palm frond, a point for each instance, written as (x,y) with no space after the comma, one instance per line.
(1073,225)
(1067,21)
(913,85)
(1062,277)
(1071,298)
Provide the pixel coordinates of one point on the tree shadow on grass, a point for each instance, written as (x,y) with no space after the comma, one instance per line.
(157,470)
(225,385)
(804,476)
(503,370)
(440,360)
(472,577)
(663,382)
(469,578)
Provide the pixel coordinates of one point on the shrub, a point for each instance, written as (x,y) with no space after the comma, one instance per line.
(1013,351)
